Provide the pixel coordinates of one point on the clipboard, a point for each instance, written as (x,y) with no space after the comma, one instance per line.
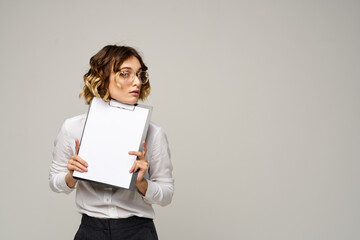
(111,130)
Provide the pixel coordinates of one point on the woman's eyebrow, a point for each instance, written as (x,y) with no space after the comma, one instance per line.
(130,68)
(126,68)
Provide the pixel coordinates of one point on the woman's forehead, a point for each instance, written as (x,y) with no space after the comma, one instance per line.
(131,63)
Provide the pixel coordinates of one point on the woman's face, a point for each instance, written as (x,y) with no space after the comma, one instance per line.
(126,91)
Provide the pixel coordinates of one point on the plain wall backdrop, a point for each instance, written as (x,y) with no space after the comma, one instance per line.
(259,99)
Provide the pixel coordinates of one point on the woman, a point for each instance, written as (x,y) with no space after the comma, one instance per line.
(116,72)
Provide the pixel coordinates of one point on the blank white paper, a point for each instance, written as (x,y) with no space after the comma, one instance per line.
(111,131)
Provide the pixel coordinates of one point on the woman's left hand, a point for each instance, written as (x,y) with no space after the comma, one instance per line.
(141,164)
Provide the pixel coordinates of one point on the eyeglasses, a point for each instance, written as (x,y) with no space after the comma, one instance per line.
(128,75)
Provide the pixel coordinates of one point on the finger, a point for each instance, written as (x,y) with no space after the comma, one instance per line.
(141,172)
(135,166)
(77,146)
(75,168)
(138,166)
(76,158)
(144,148)
(138,154)
(78,165)
(140,175)
(72,166)
(132,167)
(141,166)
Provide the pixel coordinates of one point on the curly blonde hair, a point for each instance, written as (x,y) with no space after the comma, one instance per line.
(96,80)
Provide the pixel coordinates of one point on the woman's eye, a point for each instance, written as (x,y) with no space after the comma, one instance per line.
(124,74)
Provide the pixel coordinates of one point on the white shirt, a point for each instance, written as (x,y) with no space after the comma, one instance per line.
(101,201)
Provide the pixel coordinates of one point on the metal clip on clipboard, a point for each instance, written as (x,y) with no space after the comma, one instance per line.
(114,103)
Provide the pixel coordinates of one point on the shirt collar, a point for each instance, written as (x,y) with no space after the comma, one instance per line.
(118,104)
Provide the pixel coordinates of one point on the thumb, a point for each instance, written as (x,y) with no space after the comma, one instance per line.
(77,146)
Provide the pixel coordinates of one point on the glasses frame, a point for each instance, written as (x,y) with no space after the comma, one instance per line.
(138,75)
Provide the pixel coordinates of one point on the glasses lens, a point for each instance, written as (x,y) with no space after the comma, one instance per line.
(144,77)
(126,75)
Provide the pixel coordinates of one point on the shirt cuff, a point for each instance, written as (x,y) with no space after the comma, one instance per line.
(150,192)
(62,183)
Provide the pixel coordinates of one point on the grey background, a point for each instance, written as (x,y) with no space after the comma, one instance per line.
(260,101)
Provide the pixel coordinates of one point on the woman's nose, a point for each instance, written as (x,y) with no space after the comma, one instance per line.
(137,81)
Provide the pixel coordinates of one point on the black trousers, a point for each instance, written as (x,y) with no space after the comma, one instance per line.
(132,228)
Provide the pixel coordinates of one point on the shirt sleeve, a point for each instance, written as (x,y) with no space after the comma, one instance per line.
(160,183)
(62,152)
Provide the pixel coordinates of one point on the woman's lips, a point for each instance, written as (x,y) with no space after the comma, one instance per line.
(135,93)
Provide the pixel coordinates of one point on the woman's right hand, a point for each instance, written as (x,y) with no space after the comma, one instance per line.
(75,163)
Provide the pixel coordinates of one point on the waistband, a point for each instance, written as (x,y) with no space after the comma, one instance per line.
(100,223)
